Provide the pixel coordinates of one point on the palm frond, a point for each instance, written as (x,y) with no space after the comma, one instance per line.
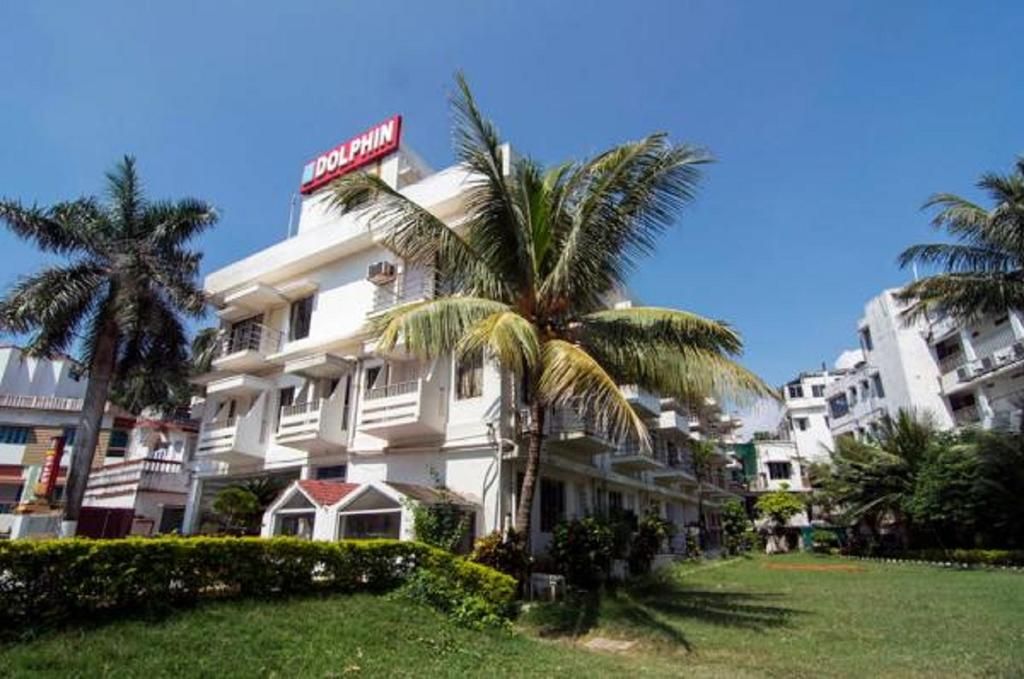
(170,224)
(52,304)
(965,295)
(506,335)
(431,328)
(624,199)
(669,327)
(572,378)
(954,257)
(61,229)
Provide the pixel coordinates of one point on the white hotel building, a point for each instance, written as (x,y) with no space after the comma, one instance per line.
(298,391)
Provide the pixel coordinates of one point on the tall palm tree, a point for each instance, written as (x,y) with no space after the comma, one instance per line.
(527,277)
(983,270)
(875,479)
(129,278)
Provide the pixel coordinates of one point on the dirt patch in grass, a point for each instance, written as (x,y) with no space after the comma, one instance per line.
(814,567)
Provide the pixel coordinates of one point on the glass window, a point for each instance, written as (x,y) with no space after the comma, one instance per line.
(865,339)
(365,526)
(118,444)
(802,423)
(838,406)
(469,375)
(879,391)
(300,316)
(818,390)
(796,391)
(779,471)
(286,396)
(552,503)
(12,434)
(336,471)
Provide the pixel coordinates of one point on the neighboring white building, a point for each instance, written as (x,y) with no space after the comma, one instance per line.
(897,372)
(299,392)
(138,463)
(982,368)
(806,419)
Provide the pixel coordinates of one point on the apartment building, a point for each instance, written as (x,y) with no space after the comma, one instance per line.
(897,371)
(981,367)
(299,392)
(806,419)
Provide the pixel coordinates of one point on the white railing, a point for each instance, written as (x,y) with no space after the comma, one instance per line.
(950,363)
(304,408)
(250,337)
(40,402)
(396,389)
(404,289)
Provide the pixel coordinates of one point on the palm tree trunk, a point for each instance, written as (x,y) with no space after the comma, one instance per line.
(535,437)
(89,423)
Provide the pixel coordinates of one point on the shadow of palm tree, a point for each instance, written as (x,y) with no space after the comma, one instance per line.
(658,608)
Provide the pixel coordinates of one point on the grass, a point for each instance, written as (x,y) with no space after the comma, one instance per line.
(724,619)
(749,617)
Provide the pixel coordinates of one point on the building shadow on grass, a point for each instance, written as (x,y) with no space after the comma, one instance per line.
(657,608)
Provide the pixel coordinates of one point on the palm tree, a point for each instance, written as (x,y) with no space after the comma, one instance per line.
(875,479)
(703,455)
(528,274)
(984,267)
(128,279)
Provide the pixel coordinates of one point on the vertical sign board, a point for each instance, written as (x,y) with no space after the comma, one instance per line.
(359,151)
(51,469)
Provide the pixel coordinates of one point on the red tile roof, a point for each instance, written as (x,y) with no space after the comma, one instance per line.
(327,492)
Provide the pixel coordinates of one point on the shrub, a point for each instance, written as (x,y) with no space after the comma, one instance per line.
(53,581)
(504,553)
(735,524)
(444,525)
(439,590)
(651,533)
(582,550)
(693,550)
(974,557)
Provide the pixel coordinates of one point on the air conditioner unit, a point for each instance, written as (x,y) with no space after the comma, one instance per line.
(987,364)
(963,373)
(380,273)
(1018,350)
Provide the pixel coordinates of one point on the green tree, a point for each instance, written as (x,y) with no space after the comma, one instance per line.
(983,269)
(703,455)
(528,274)
(735,524)
(999,485)
(238,507)
(128,279)
(778,507)
(875,480)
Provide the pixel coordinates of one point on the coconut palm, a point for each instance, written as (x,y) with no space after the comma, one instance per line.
(528,275)
(983,270)
(128,279)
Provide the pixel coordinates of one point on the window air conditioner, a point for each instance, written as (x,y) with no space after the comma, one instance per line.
(380,273)
(987,364)
(963,373)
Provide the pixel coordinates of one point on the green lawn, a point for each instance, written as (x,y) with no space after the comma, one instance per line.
(725,619)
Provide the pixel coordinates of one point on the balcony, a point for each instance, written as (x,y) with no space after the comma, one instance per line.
(643,401)
(402,410)
(986,366)
(631,457)
(407,287)
(234,439)
(567,432)
(318,426)
(246,347)
(158,472)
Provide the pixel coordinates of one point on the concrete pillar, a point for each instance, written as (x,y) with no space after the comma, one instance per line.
(984,407)
(967,345)
(1017,324)
(190,523)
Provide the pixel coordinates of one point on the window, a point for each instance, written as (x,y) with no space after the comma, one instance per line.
(865,339)
(69,436)
(9,434)
(818,390)
(865,389)
(877,380)
(614,501)
(469,375)
(552,503)
(779,471)
(118,444)
(802,423)
(796,391)
(336,471)
(838,406)
(299,316)
(246,334)
(853,395)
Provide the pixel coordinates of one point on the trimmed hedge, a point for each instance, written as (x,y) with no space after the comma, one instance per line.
(54,581)
(970,557)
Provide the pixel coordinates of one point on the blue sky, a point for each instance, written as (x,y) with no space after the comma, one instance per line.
(831,122)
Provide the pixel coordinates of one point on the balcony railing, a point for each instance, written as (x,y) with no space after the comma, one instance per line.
(250,337)
(40,402)
(404,289)
(389,390)
(304,408)
(951,362)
